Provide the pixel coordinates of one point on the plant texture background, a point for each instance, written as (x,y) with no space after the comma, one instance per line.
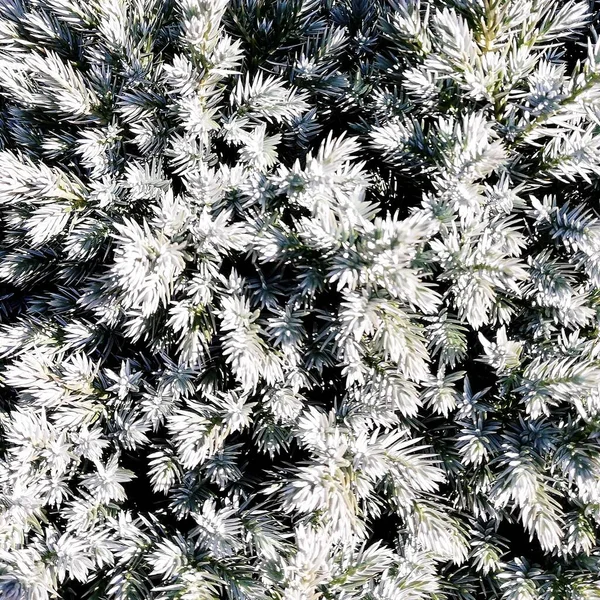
(299,299)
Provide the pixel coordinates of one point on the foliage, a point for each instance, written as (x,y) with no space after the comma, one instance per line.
(299,299)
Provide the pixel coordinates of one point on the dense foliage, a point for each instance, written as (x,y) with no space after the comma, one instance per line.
(299,299)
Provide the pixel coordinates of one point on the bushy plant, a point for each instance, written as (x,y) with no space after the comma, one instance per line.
(299,299)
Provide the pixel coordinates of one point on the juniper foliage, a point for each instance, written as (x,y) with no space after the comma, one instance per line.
(299,299)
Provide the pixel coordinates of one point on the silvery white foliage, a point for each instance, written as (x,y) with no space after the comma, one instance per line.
(298,300)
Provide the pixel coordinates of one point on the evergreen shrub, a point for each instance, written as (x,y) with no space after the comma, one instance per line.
(299,299)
